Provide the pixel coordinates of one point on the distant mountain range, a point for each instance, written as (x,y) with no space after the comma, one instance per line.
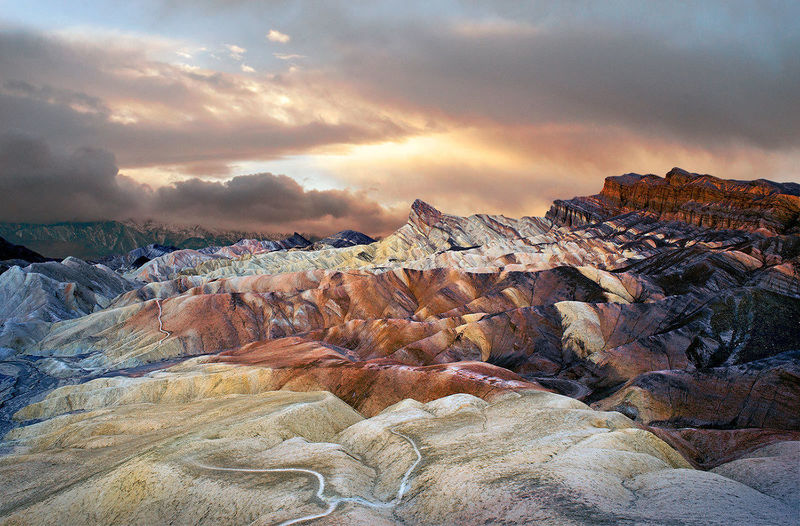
(96,239)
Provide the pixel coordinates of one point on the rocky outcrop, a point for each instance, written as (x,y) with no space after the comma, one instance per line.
(27,379)
(255,246)
(759,394)
(237,311)
(458,233)
(54,291)
(165,266)
(702,200)
(31,297)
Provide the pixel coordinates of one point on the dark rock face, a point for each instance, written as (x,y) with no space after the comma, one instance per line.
(731,255)
(11,254)
(702,200)
(759,394)
(345,238)
(24,380)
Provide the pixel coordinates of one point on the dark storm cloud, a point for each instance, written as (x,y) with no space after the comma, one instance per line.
(267,199)
(39,185)
(656,75)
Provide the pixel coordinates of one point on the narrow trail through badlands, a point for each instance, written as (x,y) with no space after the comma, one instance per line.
(166,333)
(333,502)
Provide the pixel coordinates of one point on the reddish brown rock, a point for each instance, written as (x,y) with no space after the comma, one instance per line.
(702,200)
(370,386)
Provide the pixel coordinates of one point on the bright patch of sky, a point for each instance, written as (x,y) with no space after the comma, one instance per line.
(314,176)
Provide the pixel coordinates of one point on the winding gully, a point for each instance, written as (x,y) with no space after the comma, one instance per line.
(333,502)
(161,329)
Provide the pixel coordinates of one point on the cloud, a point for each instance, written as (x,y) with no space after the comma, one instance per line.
(496,107)
(287,56)
(247,69)
(40,185)
(154,113)
(520,170)
(235,52)
(276,36)
(267,199)
(710,91)
(494,27)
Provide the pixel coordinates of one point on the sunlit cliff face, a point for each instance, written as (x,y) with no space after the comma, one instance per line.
(495,108)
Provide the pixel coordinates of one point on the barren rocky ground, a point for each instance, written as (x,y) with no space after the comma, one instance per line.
(631,358)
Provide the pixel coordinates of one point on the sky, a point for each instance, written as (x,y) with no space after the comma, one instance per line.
(318,116)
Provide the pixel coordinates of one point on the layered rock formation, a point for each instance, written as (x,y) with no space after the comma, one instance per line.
(703,200)
(360,380)
(54,290)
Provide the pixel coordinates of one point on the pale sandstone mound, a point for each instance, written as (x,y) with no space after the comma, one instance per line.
(709,448)
(773,470)
(271,457)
